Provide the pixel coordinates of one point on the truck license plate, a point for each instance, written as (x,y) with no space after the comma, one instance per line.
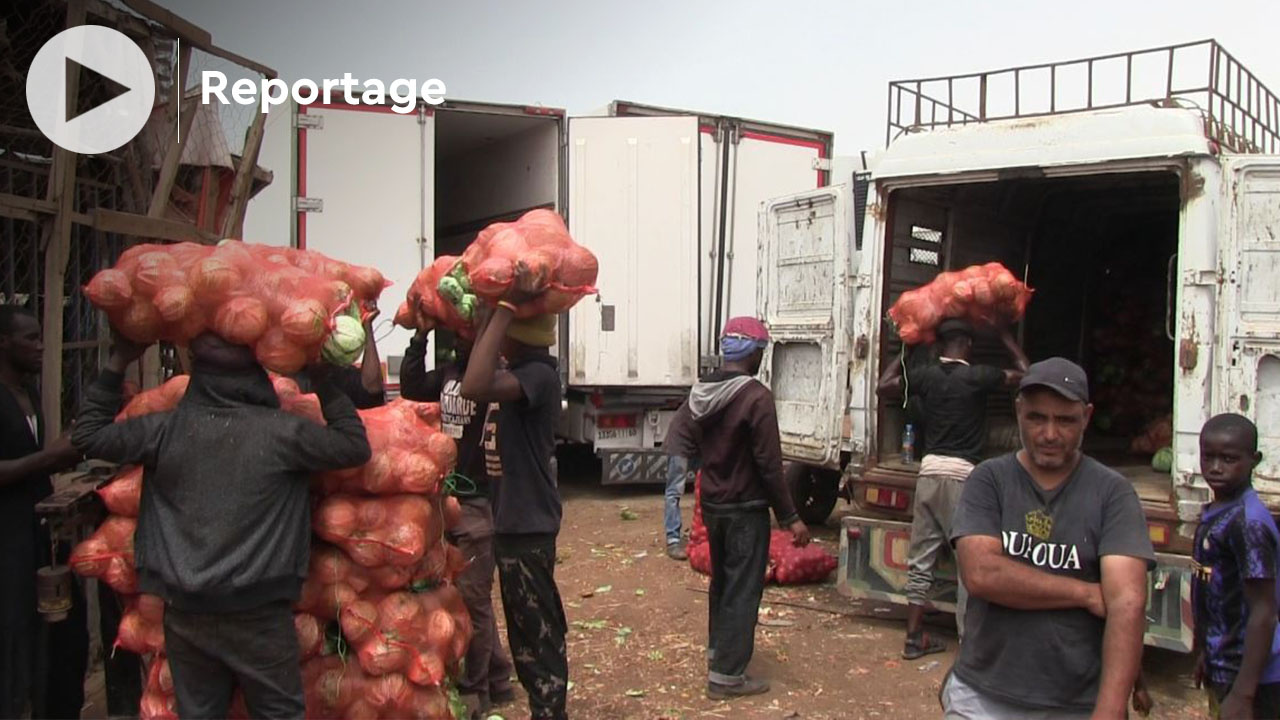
(618,434)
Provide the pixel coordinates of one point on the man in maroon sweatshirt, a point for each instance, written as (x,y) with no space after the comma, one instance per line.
(729,423)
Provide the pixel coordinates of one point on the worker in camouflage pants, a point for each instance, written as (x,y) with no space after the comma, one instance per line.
(537,640)
(519,446)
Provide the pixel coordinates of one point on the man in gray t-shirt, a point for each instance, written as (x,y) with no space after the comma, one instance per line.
(1054,550)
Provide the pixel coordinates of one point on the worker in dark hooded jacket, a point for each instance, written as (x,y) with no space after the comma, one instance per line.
(224,525)
(731,424)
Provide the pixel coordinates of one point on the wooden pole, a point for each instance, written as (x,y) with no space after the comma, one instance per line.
(242,186)
(57,250)
(173,148)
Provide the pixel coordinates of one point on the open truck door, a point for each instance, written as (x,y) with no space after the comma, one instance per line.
(1249,252)
(806,299)
(633,201)
(366,187)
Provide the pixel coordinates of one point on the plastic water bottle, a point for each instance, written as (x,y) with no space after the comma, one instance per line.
(909,443)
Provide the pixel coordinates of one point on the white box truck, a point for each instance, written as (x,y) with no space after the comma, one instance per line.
(1149,226)
(666,199)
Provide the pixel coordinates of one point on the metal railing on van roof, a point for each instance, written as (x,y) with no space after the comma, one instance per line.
(1240,113)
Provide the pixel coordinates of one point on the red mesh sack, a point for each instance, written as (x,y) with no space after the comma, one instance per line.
(162,398)
(419,635)
(798,565)
(700,557)
(281,301)
(124,493)
(410,453)
(698,531)
(539,243)
(158,701)
(107,554)
(331,686)
(142,626)
(983,294)
(424,297)
(394,530)
(310,635)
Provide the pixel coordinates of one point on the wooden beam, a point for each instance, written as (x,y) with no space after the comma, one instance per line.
(28,204)
(62,192)
(193,34)
(143,226)
(242,186)
(172,158)
(184,29)
(125,22)
(239,60)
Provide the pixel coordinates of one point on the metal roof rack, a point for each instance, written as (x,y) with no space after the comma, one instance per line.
(1240,113)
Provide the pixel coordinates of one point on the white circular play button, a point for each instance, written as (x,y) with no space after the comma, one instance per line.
(114,62)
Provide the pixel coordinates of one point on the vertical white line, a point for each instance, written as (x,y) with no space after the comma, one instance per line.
(177,70)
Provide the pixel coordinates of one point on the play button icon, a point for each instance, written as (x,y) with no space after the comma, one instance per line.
(116,96)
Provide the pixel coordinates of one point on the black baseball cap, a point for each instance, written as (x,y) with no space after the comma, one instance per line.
(1059,375)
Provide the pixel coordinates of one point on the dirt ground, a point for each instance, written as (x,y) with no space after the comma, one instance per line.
(638,632)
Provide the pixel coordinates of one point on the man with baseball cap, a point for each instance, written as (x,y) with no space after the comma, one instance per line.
(952,395)
(731,426)
(1054,551)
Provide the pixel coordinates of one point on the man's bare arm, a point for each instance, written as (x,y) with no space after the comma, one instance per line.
(989,574)
(1124,591)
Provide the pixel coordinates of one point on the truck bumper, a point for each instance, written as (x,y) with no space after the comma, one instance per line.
(873,565)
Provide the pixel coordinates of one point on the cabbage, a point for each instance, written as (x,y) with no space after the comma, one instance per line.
(450,289)
(1163,460)
(345,343)
(467,307)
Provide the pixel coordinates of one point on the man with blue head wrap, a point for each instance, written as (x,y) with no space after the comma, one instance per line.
(730,426)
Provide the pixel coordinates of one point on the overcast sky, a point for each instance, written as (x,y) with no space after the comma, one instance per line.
(820,65)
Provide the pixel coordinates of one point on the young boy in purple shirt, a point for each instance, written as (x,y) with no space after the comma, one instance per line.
(1235,587)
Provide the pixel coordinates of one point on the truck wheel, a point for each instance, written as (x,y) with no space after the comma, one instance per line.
(814,492)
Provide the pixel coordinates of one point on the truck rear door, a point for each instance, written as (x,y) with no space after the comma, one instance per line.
(805,298)
(633,200)
(366,189)
(1249,253)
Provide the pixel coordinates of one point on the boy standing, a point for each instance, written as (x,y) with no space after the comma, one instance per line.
(520,447)
(1235,586)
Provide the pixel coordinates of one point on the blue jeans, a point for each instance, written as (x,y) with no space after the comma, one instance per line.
(679,470)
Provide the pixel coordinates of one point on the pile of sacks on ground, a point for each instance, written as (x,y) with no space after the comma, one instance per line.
(788,564)
(380,625)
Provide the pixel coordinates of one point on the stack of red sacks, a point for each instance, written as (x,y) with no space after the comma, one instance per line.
(383,589)
(381,575)
(788,564)
(984,294)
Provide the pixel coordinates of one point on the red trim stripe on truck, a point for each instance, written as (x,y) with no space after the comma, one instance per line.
(818,145)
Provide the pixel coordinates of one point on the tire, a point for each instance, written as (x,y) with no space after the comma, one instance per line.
(814,492)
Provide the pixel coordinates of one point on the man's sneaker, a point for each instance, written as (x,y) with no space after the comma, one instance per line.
(746,688)
(677,551)
(920,645)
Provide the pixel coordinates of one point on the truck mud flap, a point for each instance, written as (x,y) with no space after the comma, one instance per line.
(873,565)
(1169,614)
(633,468)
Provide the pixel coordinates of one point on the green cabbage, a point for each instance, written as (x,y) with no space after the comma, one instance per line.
(345,343)
(1163,460)
(451,290)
